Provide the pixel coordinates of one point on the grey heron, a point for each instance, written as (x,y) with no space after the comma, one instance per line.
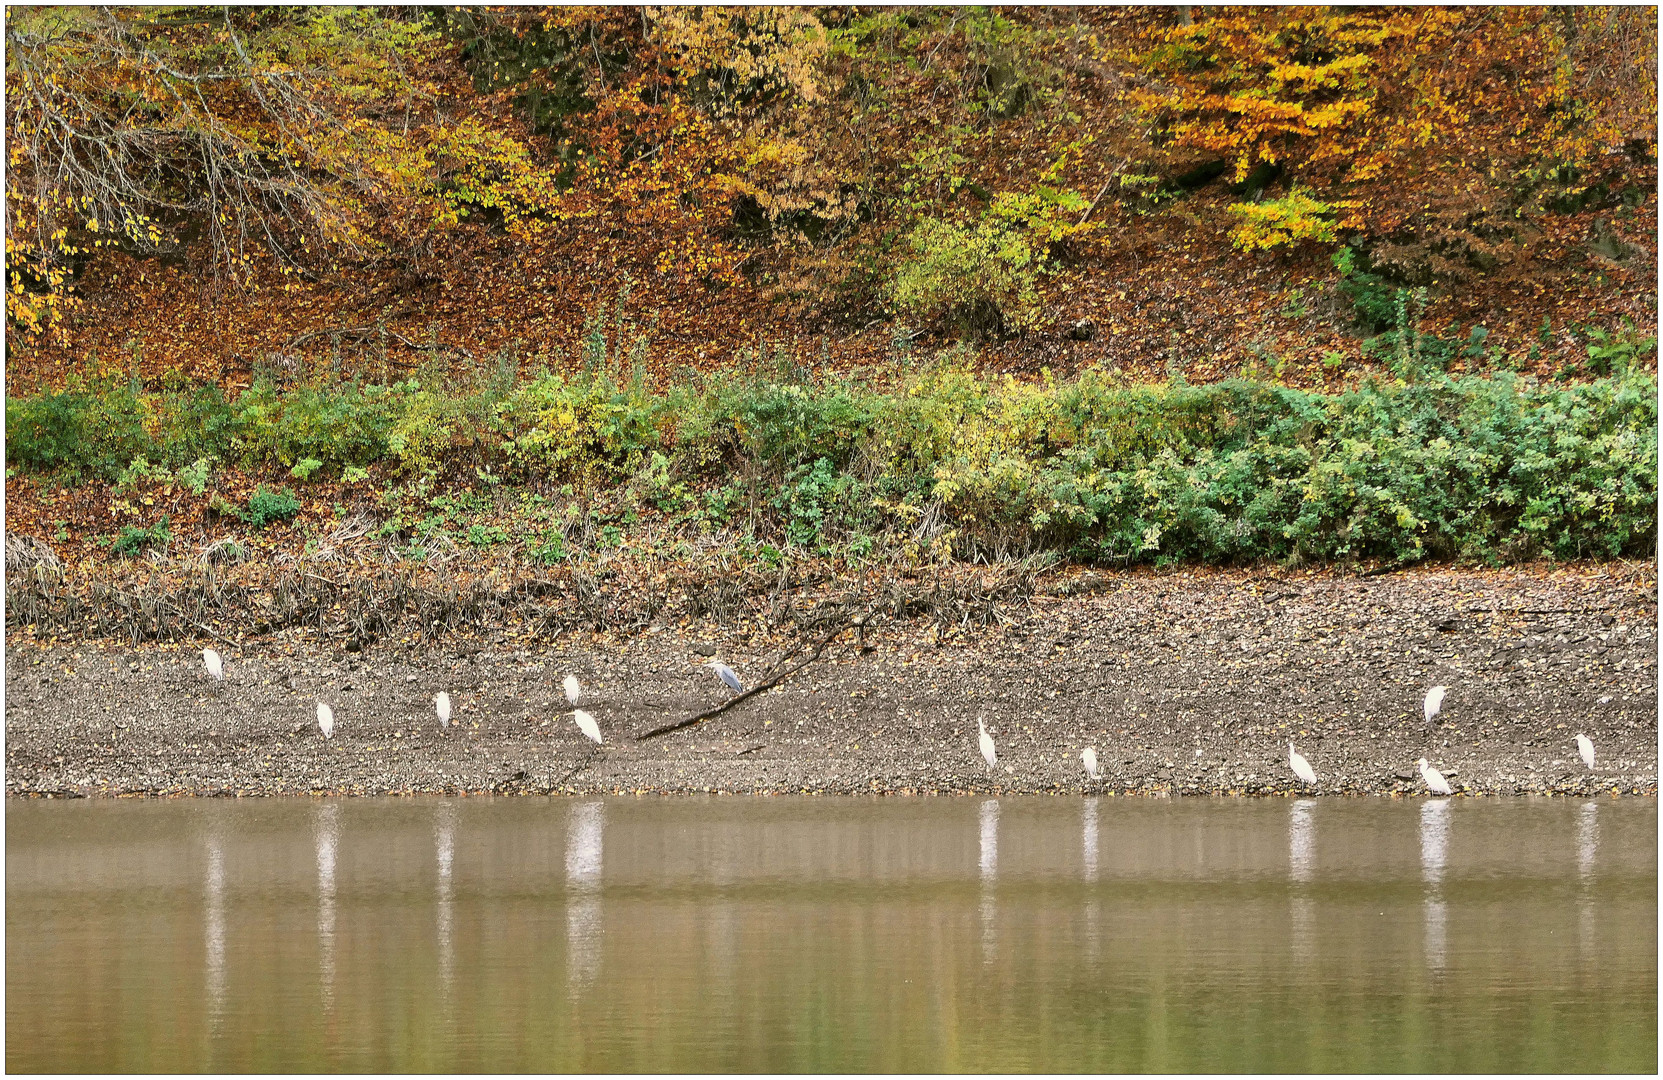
(726,674)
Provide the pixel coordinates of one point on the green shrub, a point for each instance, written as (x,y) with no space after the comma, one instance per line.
(134,539)
(587,425)
(981,277)
(265,507)
(1374,300)
(780,425)
(195,475)
(814,499)
(337,425)
(83,433)
(187,426)
(1429,466)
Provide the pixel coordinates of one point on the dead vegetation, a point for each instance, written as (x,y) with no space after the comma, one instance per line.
(217,593)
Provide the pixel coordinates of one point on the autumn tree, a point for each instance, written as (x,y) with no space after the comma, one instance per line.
(281,132)
(1430,130)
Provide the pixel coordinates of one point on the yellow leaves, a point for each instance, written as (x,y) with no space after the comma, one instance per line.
(1282,222)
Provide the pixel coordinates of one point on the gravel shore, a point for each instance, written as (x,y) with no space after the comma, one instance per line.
(1187,682)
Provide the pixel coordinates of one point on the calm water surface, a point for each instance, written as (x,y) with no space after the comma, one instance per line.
(832,934)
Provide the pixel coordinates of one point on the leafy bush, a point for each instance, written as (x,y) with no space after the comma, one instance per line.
(134,539)
(265,507)
(778,424)
(1425,466)
(1374,300)
(339,425)
(83,433)
(1608,352)
(810,501)
(585,425)
(195,475)
(982,277)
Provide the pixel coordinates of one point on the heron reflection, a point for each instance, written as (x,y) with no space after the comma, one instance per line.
(214,927)
(1434,853)
(444,844)
(1301,840)
(1088,863)
(1587,846)
(583,887)
(990,870)
(327,836)
(1301,864)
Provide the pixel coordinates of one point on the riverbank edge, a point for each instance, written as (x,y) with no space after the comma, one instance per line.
(1186,683)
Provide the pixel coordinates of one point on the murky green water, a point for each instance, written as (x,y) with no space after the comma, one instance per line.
(832,934)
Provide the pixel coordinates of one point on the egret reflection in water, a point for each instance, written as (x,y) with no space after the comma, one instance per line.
(213,917)
(1587,846)
(1301,864)
(1587,839)
(1301,842)
(583,888)
(444,849)
(1434,853)
(327,837)
(859,940)
(990,870)
(1088,866)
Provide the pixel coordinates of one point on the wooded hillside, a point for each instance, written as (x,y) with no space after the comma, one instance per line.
(204,194)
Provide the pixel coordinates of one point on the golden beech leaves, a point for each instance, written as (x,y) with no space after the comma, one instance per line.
(1367,99)
(410,185)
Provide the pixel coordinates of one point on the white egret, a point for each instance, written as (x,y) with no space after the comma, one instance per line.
(1301,768)
(574,689)
(1434,702)
(441,705)
(1089,757)
(986,742)
(1435,779)
(726,674)
(1585,747)
(587,725)
(326,720)
(215,667)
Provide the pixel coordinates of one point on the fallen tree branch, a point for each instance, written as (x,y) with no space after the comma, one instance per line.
(766,684)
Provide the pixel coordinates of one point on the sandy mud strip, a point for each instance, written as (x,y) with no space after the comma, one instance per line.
(1185,683)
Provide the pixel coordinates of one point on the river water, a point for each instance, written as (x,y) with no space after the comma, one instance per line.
(829,934)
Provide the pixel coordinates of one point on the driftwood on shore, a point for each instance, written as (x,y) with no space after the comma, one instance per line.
(769,681)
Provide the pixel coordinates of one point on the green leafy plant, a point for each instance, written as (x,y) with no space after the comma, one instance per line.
(1374,300)
(134,539)
(265,507)
(195,475)
(1608,352)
